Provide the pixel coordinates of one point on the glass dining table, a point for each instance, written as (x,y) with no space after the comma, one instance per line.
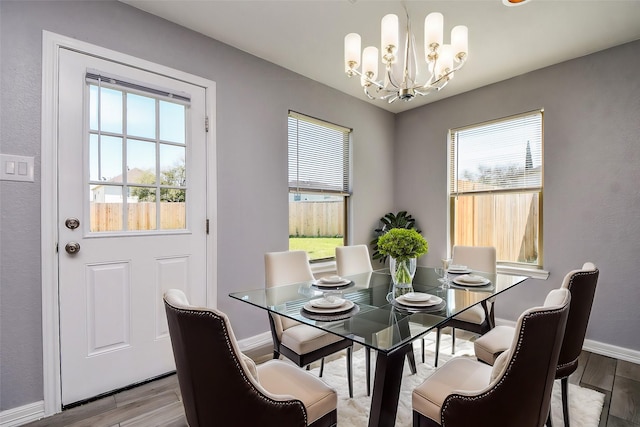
(377,317)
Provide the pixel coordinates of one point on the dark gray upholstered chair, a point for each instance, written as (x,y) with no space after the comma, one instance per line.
(479,318)
(582,285)
(516,391)
(302,344)
(222,387)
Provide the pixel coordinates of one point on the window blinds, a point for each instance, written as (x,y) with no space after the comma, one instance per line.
(318,156)
(500,156)
(113,81)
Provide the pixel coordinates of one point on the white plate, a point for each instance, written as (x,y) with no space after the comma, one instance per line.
(331,285)
(416,296)
(331,302)
(346,306)
(331,279)
(433,300)
(458,271)
(465,281)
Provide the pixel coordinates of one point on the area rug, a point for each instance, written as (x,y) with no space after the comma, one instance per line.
(585,405)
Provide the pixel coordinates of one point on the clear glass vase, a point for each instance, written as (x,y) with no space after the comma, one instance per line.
(402,272)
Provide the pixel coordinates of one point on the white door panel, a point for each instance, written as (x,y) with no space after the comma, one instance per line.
(113,330)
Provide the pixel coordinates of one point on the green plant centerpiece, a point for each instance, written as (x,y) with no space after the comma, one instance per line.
(390,221)
(403,246)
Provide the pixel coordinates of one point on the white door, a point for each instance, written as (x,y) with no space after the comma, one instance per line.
(132,219)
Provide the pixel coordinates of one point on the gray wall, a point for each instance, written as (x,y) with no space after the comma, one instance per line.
(253,98)
(592,153)
(591,177)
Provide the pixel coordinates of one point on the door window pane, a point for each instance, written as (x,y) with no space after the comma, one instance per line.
(141,162)
(141,208)
(110,110)
(110,158)
(172,167)
(141,116)
(172,122)
(105,206)
(173,213)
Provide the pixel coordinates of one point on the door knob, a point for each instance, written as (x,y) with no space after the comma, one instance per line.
(72,223)
(72,248)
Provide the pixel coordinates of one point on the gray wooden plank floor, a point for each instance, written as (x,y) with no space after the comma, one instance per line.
(158,403)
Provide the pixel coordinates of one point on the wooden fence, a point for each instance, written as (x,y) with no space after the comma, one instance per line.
(140,216)
(316,219)
(494,213)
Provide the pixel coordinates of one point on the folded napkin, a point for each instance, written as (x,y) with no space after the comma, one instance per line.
(469,278)
(454,267)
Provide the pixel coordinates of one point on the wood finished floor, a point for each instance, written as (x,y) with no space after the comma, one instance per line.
(158,403)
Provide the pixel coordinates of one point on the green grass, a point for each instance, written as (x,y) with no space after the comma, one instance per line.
(316,247)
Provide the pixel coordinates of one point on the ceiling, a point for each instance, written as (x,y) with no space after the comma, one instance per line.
(306,36)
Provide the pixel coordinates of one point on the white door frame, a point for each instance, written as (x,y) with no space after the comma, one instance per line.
(51,45)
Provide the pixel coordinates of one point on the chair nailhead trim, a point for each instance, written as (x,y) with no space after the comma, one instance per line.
(267,399)
(449,398)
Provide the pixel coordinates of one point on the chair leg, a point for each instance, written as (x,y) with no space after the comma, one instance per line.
(435,363)
(321,366)
(276,354)
(453,340)
(422,345)
(367,356)
(349,369)
(565,400)
(411,358)
(548,424)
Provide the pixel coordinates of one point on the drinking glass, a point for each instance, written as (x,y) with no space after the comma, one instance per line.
(444,276)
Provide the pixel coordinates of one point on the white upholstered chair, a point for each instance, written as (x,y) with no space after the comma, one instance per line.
(302,344)
(352,260)
(479,318)
(221,386)
(516,391)
(582,285)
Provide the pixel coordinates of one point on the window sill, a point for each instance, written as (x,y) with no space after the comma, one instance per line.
(534,273)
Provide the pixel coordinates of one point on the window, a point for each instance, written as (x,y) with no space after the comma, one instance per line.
(319,172)
(137,150)
(495,187)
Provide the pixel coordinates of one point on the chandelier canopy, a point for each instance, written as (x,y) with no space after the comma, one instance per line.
(442,59)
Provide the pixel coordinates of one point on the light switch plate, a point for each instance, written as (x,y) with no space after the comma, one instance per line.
(16,168)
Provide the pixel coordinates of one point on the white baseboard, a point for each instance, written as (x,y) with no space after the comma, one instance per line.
(609,350)
(22,415)
(597,347)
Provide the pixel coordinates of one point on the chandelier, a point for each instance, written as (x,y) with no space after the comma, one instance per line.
(443,60)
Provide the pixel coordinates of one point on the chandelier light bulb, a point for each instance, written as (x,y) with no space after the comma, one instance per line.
(460,42)
(433,32)
(389,36)
(352,43)
(445,62)
(370,62)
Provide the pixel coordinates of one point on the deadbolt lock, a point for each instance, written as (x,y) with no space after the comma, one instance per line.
(72,223)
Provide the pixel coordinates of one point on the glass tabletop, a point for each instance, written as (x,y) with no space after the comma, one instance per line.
(376,319)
